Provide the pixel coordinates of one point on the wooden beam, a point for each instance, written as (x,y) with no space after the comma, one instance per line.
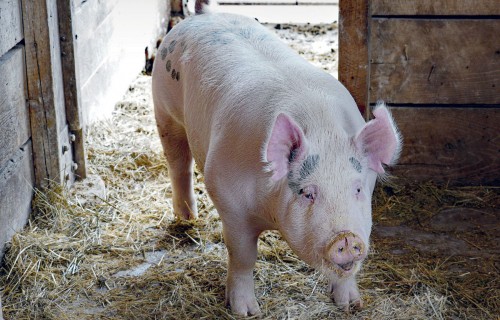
(45,94)
(72,86)
(354,50)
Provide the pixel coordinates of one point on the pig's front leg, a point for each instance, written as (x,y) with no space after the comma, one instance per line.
(241,242)
(345,293)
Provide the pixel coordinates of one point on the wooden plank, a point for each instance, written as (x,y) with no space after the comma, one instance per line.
(11,24)
(449,145)
(433,7)
(72,87)
(16,191)
(353,49)
(45,94)
(14,117)
(93,29)
(435,61)
(111,70)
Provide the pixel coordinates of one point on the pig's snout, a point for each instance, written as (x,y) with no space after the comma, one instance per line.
(345,249)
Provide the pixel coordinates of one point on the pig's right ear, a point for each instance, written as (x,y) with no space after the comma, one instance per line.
(286,144)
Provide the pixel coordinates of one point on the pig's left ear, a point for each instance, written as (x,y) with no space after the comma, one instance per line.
(380,139)
(286,144)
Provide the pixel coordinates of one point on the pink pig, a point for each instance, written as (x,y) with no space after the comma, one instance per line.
(281,143)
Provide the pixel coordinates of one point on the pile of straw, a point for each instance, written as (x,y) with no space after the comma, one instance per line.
(110,247)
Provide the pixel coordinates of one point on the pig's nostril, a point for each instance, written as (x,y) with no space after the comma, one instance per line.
(341,249)
(357,249)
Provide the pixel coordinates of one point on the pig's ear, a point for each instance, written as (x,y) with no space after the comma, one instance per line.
(380,139)
(285,145)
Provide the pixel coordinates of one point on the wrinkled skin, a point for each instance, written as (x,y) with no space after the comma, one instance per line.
(282,146)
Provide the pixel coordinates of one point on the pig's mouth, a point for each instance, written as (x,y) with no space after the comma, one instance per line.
(342,270)
(346,266)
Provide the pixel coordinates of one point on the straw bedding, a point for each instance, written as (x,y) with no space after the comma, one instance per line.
(110,248)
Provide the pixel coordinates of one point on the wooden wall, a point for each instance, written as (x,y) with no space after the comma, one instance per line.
(61,64)
(109,38)
(16,161)
(437,64)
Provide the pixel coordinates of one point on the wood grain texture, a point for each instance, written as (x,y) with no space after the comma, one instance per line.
(11,24)
(72,91)
(433,7)
(93,30)
(16,192)
(46,99)
(435,61)
(111,54)
(460,146)
(14,116)
(353,49)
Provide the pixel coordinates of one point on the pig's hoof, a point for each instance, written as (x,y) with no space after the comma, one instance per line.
(243,306)
(186,213)
(353,307)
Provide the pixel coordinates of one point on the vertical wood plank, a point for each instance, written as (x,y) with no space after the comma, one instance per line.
(44,94)
(354,50)
(72,86)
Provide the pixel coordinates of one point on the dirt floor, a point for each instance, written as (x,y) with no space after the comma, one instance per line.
(110,247)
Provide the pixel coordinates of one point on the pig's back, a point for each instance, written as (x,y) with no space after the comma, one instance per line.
(233,77)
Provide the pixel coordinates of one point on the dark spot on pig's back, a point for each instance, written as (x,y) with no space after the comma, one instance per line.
(169,65)
(164,52)
(171,46)
(174,74)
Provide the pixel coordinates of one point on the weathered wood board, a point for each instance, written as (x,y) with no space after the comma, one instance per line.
(353,50)
(93,28)
(16,191)
(109,48)
(421,61)
(11,22)
(438,65)
(451,145)
(72,92)
(433,7)
(14,124)
(45,91)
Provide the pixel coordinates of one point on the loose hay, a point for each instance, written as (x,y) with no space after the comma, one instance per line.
(118,252)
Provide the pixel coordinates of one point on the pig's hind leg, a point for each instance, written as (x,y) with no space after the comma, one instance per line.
(180,165)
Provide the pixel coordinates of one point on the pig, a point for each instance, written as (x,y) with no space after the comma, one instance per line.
(281,144)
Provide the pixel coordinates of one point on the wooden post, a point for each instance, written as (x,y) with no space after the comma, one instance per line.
(45,94)
(354,50)
(72,91)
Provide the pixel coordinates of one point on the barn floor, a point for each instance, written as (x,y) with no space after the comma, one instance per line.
(110,248)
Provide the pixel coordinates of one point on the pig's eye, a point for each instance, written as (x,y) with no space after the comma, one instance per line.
(309,193)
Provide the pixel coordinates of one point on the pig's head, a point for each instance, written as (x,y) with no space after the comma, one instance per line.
(324,181)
